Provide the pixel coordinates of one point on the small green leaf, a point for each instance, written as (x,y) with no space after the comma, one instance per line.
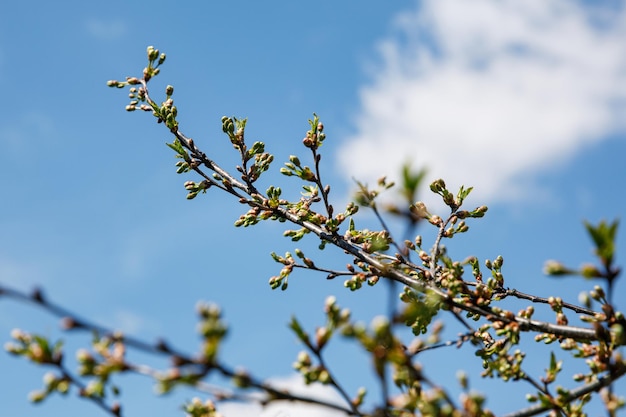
(299,331)
(603,236)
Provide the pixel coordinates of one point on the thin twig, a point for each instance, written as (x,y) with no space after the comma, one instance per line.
(600,383)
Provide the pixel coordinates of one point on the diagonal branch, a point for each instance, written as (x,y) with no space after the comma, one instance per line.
(600,383)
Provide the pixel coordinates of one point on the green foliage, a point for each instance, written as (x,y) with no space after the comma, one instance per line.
(603,236)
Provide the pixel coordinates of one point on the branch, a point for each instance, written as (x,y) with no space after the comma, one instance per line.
(577,333)
(517,294)
(72,321)
(602,382)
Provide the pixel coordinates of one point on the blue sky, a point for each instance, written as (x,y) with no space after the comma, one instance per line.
(524,100)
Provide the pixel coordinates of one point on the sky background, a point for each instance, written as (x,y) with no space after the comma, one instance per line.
(523,100)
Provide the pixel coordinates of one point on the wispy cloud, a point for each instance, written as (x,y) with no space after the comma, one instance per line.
(106,29)
(288,409)
(490,92)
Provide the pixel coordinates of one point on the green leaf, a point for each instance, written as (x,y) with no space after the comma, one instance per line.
(177,147)
(299,331)
(462,194)
(411,182)
(603,236)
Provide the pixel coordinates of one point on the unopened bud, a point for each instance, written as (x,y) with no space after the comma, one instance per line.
(590,271)
(555,268)
(153,54)
(321,336)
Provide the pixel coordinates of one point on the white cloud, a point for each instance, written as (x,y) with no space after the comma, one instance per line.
(288,409)
(488,93)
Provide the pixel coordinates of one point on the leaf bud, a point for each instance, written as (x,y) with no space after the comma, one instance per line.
(294,160)
(461,376)
(419,210)
(555,268)
(304,358)
(324,377)
(12,348)
(437,186)
(597,293)
(37,396)
(590,271)
(435,220)
(19,334)
(49,378)
(63,386)
(153,54)
(583,298)
(380,325)
(360,396)
(322,335)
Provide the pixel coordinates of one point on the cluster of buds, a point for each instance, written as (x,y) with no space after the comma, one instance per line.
(52,383)
(311,373)
(196,187)
(212,329)
(155,60)
(288,264)
(295,168)
(36,348)
(197,408)
(314,137)
(236,137)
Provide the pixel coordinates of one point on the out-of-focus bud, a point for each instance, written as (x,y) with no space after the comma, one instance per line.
(597,293)
(322,335)
(419,210)
(590,271)
(37,396)
(437,185)
(555,268)
(461,376)
(435,220)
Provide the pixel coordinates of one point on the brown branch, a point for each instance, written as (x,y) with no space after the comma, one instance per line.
(503,293)
(600,383)
(577,333)
(72,321)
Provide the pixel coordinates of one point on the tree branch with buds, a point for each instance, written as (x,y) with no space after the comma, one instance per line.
(434,286)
